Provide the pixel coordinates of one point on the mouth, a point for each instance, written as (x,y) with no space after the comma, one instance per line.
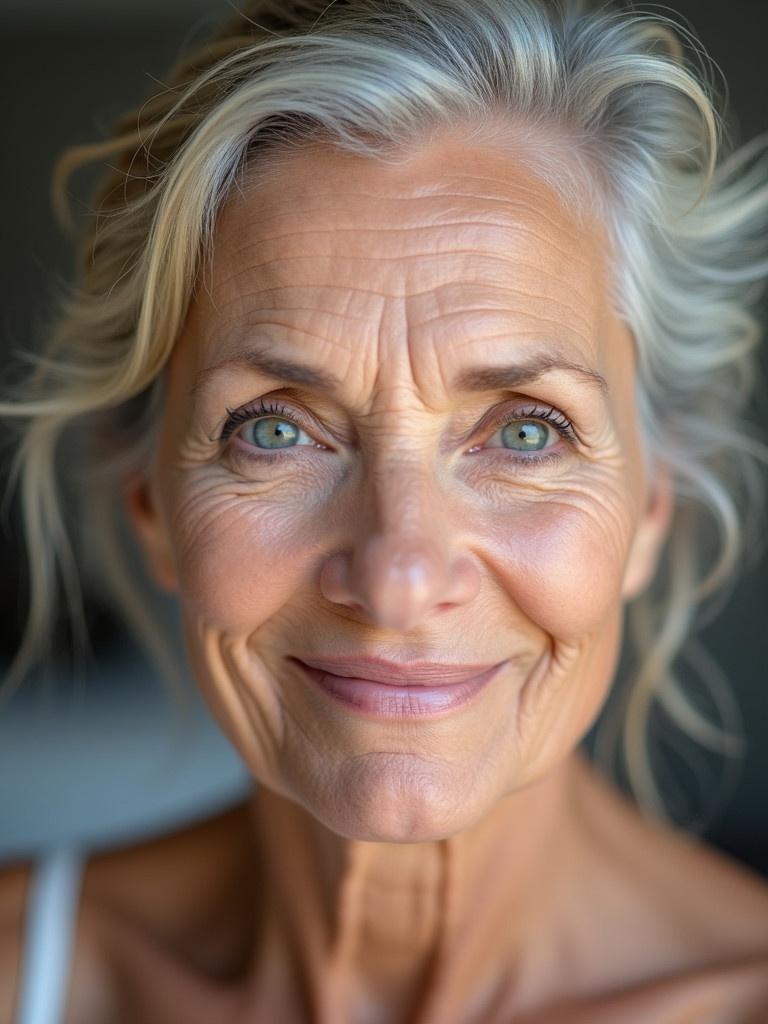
(388,690)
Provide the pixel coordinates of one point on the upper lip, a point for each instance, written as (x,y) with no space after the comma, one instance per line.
(418,673)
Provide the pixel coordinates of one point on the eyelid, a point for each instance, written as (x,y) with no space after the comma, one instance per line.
(266,407)
(257,410)
(536,411)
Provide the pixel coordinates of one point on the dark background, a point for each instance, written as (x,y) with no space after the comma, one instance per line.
(68,70)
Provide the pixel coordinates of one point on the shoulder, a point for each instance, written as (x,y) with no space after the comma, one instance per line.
(681,923)
(728,993)
(716,905)
(14,884)
(164,892)
(88,989)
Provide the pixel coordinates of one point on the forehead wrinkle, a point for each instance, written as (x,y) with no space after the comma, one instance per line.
(550,340)
(338,217)
(571,297)
(495,248)
(509,201)
(583,328)
(337,229)
(510,310)
(275,279)
(566,312)
(544,232)
(569,257)
(236,335)
(299,188)
(574,301)
(243,321)
(268,265)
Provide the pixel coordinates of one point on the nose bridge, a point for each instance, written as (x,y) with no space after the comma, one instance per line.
(401,558)
(402,563)
(403,499)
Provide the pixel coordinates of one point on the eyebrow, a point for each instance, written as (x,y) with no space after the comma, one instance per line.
(269,365)
(477,378)
(493,378)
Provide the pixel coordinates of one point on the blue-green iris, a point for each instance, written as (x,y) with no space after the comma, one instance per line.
(273,432)
(526,435)
(520,435)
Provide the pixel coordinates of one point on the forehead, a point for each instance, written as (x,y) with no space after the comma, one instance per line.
(460,241)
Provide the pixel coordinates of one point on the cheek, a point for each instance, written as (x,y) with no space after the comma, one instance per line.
(239,559)
(563,566)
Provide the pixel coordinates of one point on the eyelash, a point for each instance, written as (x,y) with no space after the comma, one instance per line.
(547,414)
(248,413)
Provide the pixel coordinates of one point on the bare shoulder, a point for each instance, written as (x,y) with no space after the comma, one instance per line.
(680,919)
(664,927)
(735,993)
(88,989)
(163,891)
(14,884)
(716,903)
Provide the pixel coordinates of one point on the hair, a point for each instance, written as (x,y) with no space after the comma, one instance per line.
(634,95)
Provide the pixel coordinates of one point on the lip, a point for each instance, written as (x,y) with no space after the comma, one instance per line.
(388,700)
(393,673)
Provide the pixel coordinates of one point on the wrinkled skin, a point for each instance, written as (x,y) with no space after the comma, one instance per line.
(403,522)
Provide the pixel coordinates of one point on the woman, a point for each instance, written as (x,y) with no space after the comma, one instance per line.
(416,334)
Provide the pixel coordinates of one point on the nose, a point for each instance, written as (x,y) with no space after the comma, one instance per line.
(402,563)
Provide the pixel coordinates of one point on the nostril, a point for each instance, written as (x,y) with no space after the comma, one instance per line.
(332,580)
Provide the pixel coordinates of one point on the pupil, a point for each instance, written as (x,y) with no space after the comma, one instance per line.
(280,431)
(527,436)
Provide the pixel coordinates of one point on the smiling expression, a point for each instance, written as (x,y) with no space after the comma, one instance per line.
(400,421)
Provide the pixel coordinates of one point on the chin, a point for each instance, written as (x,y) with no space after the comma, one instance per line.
(396,798)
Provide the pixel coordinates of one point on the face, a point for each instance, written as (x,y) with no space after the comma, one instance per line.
(468,486)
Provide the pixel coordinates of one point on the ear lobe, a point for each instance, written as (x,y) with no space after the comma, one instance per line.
(649,538)
(149,530)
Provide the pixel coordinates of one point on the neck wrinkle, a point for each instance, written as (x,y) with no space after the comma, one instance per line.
(440,931)
(431,1005)
(294,917)
(342,953)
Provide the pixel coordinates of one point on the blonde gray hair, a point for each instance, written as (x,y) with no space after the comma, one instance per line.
(375,77)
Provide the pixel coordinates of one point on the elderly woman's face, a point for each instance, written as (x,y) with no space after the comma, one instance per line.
(454,474)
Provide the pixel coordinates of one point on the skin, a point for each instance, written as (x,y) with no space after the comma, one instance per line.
(393,538)
(403,521)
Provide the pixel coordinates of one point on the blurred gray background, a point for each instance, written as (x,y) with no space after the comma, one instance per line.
(70,67)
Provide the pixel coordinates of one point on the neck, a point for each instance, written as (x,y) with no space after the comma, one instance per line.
(376,930)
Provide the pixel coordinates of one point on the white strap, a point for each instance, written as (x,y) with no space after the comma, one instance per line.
(51,917)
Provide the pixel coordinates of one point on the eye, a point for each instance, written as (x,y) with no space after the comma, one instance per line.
(527,432)
(267,427)
(271,432)
(526,435)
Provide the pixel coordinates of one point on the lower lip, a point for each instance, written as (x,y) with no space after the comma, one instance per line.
(380,700)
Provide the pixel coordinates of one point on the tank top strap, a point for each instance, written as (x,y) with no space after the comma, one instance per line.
(50,922)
